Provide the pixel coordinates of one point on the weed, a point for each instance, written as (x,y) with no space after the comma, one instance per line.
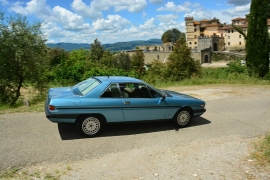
(9,173)
(262,151)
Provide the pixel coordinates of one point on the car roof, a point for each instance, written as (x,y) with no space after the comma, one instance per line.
(116,79)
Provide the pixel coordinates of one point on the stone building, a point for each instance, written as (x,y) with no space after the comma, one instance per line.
(215,43)
(198,31)
(165,47)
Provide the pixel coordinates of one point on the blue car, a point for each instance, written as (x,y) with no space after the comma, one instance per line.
(98,101)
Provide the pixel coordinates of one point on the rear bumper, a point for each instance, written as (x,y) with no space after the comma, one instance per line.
(59,118)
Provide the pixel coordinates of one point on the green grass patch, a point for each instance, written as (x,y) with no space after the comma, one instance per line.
(17,173)
(262,151)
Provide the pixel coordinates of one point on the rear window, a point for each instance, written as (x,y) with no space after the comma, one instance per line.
(85,87)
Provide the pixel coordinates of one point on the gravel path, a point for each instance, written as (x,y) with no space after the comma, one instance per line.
(214,146)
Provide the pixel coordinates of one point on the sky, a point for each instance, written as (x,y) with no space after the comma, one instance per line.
(110,21)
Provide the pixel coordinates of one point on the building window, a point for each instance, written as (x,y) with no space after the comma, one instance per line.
(195,29)
(228,37)
(229,43)
(221,34)
(232,31)
(239,36)
(229,31)
(195,36)
(239,42)
(190,43)
(195,42)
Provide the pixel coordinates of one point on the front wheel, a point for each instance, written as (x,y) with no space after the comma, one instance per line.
(182,118)
(90,126)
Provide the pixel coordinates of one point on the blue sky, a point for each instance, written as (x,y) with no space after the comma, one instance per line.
(81,21)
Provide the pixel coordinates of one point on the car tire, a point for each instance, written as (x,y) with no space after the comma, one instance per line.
(182,118)
(90,126)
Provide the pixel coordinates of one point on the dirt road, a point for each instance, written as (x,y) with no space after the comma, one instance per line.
(214,146)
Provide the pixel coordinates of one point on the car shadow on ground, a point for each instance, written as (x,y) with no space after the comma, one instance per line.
(70,132)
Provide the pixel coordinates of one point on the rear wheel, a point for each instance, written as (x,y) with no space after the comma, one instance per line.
(90,126)
(182,118)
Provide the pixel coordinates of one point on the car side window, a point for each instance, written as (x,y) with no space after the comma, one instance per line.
(111,92)
(134,90)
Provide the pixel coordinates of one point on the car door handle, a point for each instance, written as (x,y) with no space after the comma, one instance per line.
(126,102)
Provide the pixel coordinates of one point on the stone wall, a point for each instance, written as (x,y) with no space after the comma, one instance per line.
(156,55)
(162,56)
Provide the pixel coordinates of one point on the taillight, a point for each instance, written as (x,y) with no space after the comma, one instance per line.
(51,108)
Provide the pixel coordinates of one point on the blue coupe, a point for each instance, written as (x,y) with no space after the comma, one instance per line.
(93,103)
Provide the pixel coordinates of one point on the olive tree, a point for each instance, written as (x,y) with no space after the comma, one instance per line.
(22,57)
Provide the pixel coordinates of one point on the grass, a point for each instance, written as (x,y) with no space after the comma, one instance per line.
(19,173)
(262,151)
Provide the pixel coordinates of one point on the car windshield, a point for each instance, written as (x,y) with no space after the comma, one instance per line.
(85,87)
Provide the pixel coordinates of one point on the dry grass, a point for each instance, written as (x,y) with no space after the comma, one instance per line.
(262,151)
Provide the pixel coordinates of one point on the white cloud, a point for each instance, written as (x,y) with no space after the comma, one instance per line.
(119,5)
(4,2)
(149,24)
(156,1)
(69,20)
(113,24)
(200,13)
(170,6)
(167,17)
(238,11)
(81,8)
(172,24)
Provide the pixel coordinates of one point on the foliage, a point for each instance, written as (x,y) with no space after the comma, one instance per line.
(156,73)
(106,59)
(172,35)
(181,65)
(22,57)
(96,51)
(122,61)
(137,63)
(257,42)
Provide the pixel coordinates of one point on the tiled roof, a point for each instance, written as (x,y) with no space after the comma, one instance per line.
(205,20)
(231,27)
(196,22)
(239,18)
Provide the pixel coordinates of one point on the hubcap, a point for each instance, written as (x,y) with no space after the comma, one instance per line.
(91,125)
(183,118)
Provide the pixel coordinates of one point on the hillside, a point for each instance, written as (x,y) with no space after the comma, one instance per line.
(118,46)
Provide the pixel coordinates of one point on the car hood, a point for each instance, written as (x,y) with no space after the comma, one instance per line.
(177,94)
(61,92)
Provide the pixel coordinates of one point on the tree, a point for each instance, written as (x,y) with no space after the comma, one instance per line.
(122,61)
(137,63)
(181,65)
(172,35)
(257,40)
(96,51)
(22,57)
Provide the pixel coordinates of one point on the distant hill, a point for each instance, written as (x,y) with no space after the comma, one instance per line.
(112,47)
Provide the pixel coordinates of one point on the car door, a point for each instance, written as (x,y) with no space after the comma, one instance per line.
(141,103)
(110,104)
